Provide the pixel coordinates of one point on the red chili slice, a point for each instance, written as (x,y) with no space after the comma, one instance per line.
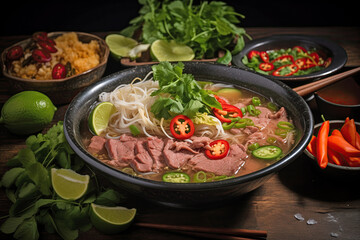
(181,127)
(253,53)
(327,62)
(221,100)
(40,36)
(264,56)
(218,149)
(41,55)
(59,71)
(301,62)
(283,58)
(48,46)
(300,49)
(315,56)
(293,68)
(266,66)
(228,111)
(15,53)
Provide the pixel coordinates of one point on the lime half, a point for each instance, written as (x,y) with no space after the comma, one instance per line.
(119,45)
(68,184)
(164,50)
(100,116)
(111,220)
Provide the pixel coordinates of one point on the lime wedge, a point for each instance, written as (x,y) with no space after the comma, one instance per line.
(164,50)
(99,117)
(111,220)
(119,45)
(68,184)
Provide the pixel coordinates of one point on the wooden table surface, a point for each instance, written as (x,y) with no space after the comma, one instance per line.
(299,188)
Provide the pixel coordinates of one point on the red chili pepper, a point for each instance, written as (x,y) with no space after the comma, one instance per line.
(315,56)
(264,56)
(353,161)
(336,132)
(327,62)
(15,53)
(218,149)
(228,111)
(181,127)
(59,71)
(300,62)
(40,36)
(266,66)
(322,144)
(357,142)
(48,46)
(283,58)
(300,49)
(41,55)
(253,53)
(335,157)
(340,145)
(311,147)
(221,100)
(348,131)
(292,68)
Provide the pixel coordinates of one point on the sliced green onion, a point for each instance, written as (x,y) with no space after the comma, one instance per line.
(200,176)
(285,125)
(271,140)
(256,101)
(281,132)
(253,146)
(134,130)
(272,106)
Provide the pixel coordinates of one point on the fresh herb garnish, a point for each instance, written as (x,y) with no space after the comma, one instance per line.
(206,28)
(28,186)
(179,93)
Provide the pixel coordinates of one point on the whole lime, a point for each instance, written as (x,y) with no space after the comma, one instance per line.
(27,112)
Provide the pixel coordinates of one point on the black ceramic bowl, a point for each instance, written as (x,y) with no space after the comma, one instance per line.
(325,47)
(192,194)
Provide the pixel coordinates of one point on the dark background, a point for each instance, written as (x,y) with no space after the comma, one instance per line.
(23,18)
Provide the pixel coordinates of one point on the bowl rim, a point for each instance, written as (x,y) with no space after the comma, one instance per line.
(331,164)
(104,168)
(339,57)
(102,63)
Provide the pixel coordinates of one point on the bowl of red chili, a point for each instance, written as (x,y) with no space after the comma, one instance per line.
(292,57)
(335,148)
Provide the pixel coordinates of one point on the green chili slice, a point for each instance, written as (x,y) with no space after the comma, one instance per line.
(267,152)
(285,125)
(271,140)
(200,177)
(228,126)
(176,177)
(252,110)
(256,101)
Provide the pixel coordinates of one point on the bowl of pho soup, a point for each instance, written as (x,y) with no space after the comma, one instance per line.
(189,134)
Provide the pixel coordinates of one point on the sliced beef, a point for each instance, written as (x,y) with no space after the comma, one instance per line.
(143,162)
(123,152)
(181,145)
(200,142)
(280,114)
(226,166)
(155,147)
(97,145)
(175,159)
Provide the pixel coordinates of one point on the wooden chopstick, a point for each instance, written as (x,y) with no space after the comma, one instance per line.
(312,87)
(215,233)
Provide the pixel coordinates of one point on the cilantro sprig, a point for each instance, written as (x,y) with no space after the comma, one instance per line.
(34,203)
(206,28)
(179,93)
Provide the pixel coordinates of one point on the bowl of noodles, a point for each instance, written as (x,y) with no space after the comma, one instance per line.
(189,134)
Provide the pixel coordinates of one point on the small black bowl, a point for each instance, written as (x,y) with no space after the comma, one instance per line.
(190,195)
(325,47)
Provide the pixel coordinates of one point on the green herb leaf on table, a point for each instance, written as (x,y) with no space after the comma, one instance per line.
(34,203)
